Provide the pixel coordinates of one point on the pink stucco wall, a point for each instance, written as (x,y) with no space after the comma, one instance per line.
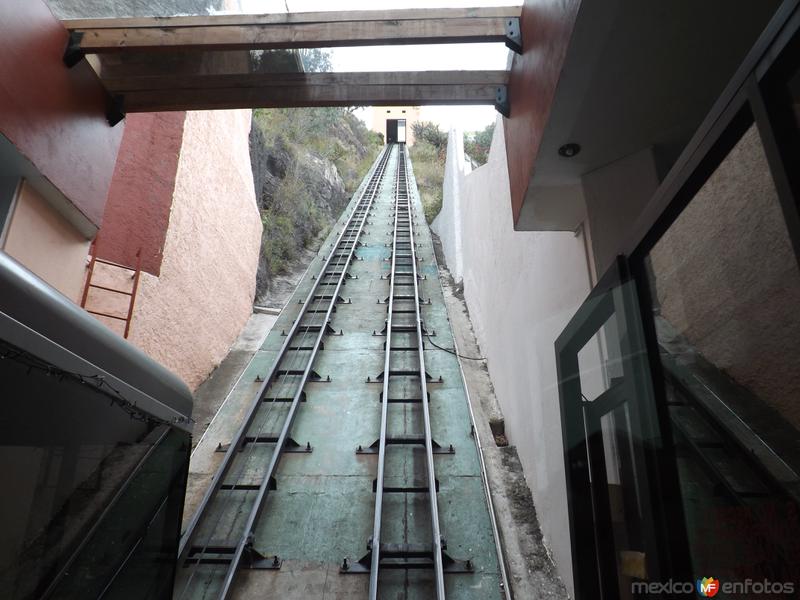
(188,316)
(140,199)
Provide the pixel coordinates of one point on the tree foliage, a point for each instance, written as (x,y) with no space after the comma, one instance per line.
(477,144)
(430,133)
(428,156)
(316,60)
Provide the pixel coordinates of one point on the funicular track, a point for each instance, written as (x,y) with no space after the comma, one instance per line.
(404,363)
(218,539)
(382,400)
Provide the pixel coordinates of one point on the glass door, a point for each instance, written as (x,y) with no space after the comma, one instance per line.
(680,386)
(611,442)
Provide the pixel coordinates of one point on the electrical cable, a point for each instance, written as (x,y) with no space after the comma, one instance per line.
(452,350)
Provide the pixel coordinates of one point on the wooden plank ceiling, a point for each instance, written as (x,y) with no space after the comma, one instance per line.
(243,61)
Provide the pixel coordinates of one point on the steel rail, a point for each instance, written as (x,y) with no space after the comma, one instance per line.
(376,527)
(374,182)
(403,202)
(258,506)
(239,438)
(434,504)
(501,559)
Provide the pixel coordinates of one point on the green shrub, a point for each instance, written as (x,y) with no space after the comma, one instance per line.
(430,133)
(428,164)
(477,144)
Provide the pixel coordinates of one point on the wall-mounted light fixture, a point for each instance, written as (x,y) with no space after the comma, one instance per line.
(569,150)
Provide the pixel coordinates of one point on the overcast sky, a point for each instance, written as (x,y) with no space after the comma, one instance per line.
(409,58)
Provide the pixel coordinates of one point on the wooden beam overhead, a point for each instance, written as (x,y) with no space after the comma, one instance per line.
(223,98)
(200,83)
(293,18)
(322,89)
(365,28)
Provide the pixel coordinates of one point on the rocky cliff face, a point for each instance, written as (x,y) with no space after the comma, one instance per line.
(306,164)
(274,162)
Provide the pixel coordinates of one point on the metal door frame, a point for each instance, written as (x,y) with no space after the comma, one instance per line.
(752,96)
(391,125)
(591,534)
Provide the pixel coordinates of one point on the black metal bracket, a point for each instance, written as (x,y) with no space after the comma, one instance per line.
(405,556)
(401,373)
(416,487)
(339,300)
(253,559)
(329,330)
(409,440)
(303,398)
(421,300)
(313,376)
(501,104)
(73,54)
(116,110)
(291,444)
(403,328)
(514,34)
(223,555)
(403,400)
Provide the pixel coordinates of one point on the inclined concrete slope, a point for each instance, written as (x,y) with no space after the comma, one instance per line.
(521,289)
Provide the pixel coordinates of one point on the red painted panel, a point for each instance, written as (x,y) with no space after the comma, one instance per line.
(55,116)
(137,213)
(546,30)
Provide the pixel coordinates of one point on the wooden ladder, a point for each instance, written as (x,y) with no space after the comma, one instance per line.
(131,294)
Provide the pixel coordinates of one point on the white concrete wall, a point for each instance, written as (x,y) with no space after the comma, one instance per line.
(447,224)
(615,195)
(521,289)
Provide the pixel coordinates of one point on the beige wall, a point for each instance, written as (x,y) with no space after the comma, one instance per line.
(380,113)
(46,243)
(188,317)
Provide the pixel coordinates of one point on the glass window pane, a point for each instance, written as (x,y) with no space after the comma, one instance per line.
(726,289)
(615,445)
(79,463)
